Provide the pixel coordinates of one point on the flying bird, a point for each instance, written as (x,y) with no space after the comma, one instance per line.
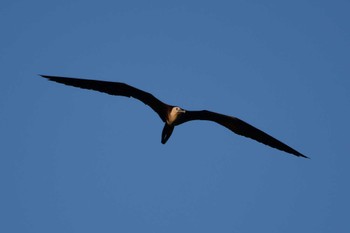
(174,115)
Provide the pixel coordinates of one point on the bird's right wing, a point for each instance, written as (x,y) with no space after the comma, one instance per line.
(239,127)
(115,88)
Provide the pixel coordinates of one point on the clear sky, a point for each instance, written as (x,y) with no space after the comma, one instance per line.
(73,160)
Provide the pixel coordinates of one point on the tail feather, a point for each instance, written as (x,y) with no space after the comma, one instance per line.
(166,133)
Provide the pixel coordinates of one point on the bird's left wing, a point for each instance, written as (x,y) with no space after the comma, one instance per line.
(115,88)
(239,127)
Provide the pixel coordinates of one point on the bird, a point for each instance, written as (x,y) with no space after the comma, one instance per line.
(173,115)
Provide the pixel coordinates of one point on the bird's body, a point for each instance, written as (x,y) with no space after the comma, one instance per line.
(174,115)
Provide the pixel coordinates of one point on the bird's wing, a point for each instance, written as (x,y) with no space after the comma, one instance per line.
(239,127)
(115,88)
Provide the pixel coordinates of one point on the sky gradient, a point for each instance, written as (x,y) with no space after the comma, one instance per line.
(73,160)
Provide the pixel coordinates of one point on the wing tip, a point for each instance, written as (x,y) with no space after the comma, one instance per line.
(305,157)
(45,76)
(301,155)
(52,78)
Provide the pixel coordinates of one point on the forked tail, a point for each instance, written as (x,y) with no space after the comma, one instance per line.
(166,133)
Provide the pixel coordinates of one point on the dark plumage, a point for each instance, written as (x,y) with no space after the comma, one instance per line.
(173,115)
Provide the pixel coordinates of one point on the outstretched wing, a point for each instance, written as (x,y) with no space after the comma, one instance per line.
(239,127)
(115,88)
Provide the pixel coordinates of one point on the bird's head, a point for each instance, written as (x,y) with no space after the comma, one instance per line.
(174,115)
(178,110)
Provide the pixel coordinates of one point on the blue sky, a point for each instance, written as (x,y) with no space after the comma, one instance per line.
(74,160)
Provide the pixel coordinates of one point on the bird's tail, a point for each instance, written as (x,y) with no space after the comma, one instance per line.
(166,133)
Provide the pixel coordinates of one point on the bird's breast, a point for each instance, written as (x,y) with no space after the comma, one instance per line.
(171,120)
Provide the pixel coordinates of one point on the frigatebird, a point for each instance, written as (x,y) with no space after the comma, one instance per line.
(174,115)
